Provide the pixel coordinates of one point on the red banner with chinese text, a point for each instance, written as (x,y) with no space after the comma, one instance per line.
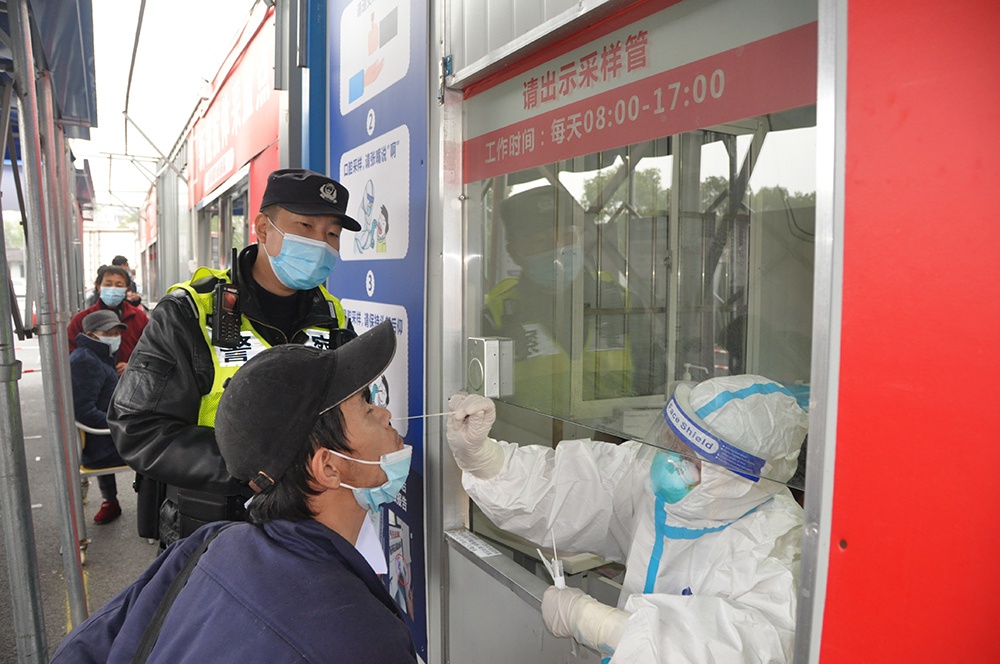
(773,74)
(242,119)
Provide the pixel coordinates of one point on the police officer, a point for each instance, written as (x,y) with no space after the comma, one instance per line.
(535,308)
(162,415)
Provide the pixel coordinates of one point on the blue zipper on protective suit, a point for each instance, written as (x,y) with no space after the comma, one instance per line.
(664,531)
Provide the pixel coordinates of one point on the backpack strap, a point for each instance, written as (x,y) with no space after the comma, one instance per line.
(152,631)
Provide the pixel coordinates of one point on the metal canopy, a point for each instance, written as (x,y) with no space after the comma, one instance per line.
(63,36)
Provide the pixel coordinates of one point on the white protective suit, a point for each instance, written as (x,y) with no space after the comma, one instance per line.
(710,578)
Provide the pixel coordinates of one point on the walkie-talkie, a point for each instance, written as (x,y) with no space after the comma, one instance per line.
(226,313)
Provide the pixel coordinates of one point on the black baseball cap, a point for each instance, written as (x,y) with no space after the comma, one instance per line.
(273,402)
(309,193)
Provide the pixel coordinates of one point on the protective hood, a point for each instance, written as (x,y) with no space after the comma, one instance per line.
(759,426)
(721,498)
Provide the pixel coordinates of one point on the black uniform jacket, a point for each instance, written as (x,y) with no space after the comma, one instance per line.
(154,412)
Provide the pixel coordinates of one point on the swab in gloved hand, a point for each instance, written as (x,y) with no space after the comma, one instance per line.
(468,428)
(555,566)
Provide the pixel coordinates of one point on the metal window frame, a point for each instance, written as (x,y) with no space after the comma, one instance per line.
(831,101)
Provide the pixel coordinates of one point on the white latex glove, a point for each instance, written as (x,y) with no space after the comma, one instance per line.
(475,452)
(572,612)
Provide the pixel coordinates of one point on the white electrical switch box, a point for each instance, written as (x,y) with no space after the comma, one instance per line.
(490,371)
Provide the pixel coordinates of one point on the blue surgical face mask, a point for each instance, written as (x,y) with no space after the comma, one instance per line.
(555,268)
(112,295)
(302,263)
(395,465)
(673,476)
(114,343)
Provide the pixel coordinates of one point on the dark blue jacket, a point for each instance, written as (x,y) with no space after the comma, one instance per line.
(283,592)
(92,367)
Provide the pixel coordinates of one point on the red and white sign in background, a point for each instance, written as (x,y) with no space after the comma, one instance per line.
(242,119)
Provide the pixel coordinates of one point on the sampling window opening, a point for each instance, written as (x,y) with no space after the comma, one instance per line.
(619,273)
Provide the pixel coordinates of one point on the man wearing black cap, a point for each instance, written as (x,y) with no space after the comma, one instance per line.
(162,417)
(289,586)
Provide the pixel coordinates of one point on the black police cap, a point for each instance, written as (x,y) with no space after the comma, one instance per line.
(307,192)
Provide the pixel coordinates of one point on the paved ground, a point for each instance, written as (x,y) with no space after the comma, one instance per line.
(116,555)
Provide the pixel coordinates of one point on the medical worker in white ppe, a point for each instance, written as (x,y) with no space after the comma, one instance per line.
(711,551)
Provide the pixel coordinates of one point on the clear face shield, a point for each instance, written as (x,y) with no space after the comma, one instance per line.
(687,443)
(674,473)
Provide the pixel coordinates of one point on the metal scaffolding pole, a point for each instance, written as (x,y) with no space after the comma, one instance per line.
(56,221)
(54,215)
(69,221)
(52,342)
(29,251)
(15,501)
(67,190)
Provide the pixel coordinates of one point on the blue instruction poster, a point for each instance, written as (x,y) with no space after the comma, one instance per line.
(377,108)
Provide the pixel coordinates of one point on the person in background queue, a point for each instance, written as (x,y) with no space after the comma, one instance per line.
(111,286)
(162,416)
(92,369)
(132,290)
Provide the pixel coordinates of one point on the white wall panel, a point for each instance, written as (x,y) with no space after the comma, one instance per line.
(529,15)
(481,30)
(489,622)
(501,22)
(472,42)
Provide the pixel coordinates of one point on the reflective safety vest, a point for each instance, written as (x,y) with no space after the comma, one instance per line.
(226,361)
(542,366)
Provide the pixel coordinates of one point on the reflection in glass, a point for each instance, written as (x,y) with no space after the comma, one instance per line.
(238,223)
(213,230)
(620,273)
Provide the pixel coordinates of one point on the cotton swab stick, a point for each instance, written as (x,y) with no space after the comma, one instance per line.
(417,417)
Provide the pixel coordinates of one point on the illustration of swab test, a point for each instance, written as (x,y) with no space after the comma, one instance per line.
(555,566)
(417,417)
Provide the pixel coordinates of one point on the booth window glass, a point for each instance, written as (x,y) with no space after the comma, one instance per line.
(209,234)
(632,228)
(618,273)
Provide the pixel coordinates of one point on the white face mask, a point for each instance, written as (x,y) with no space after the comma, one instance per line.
(112,342)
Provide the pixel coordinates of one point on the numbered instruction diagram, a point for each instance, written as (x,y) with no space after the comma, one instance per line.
(374,49)
(390,390)
(377,175)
